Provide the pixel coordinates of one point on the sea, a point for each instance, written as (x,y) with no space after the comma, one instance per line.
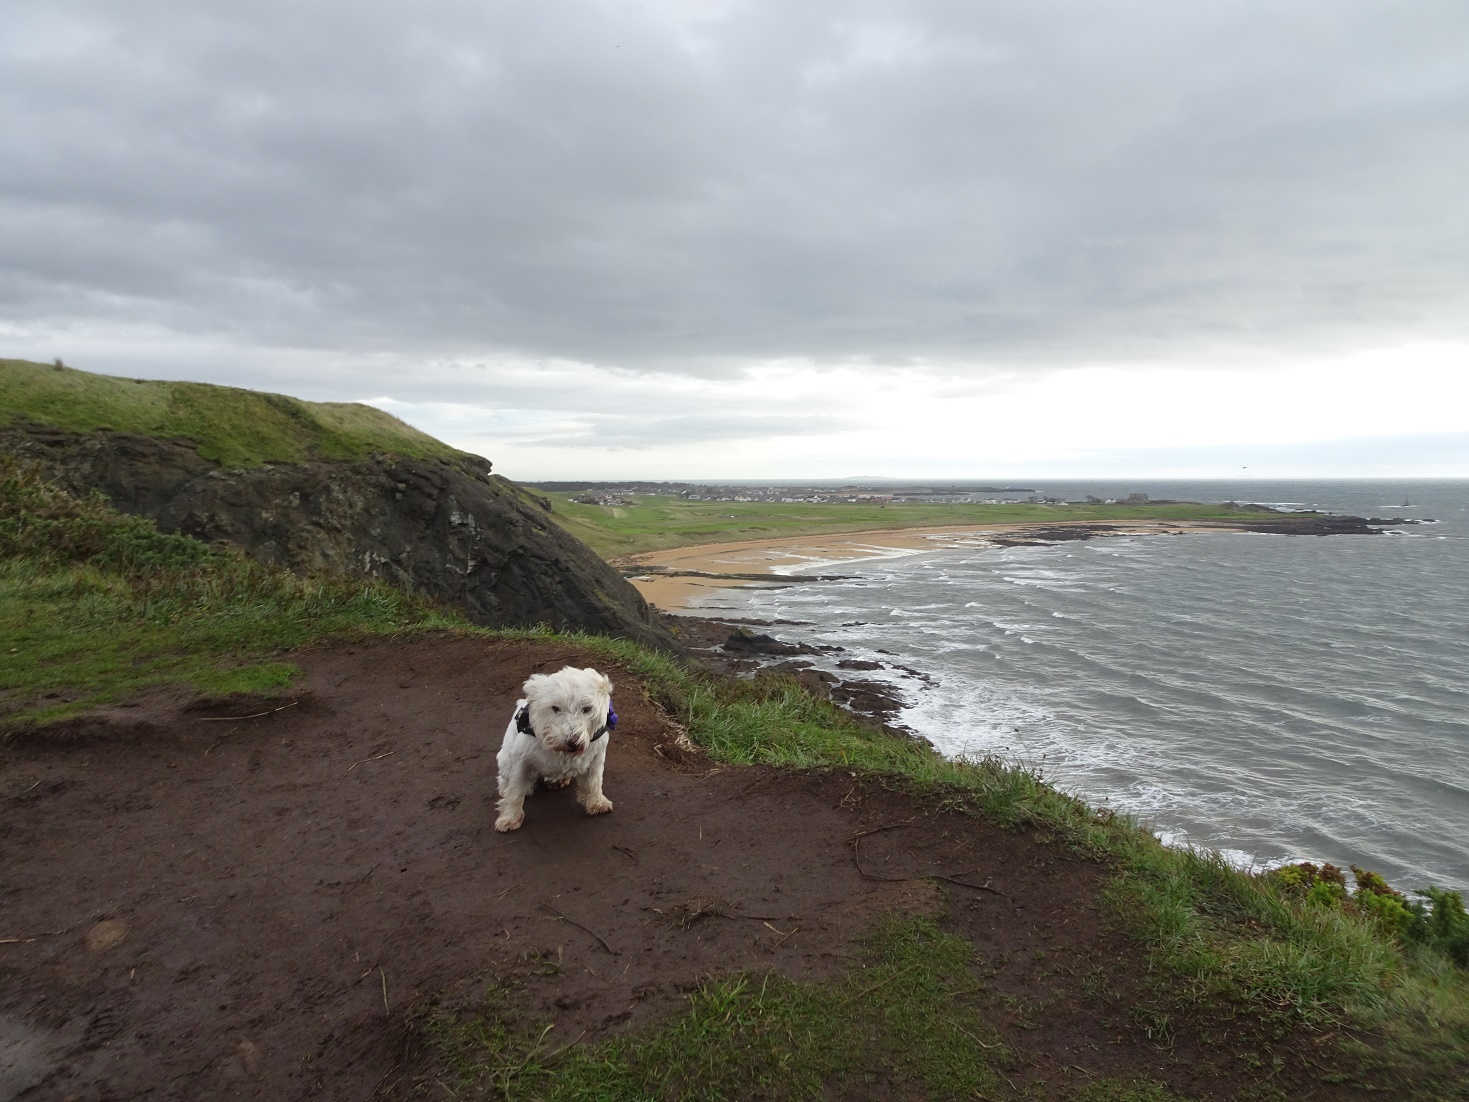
(1273,698)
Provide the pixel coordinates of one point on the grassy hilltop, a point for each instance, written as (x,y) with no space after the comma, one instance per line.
(232,426)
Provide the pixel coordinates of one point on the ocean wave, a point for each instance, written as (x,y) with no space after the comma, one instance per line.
(1041,583)
(867,553)
(911,613)
(1243,860)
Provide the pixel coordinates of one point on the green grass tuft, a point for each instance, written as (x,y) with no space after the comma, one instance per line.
(903,1015)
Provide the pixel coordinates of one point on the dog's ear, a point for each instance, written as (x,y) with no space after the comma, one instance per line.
(603,682)
(532,683)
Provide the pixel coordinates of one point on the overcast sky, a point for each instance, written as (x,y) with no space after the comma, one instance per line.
(707,238)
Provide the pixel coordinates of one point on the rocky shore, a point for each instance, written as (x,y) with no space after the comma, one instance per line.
(1320,524)
(745,648)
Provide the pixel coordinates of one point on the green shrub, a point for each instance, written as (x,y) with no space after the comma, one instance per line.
(1440,923)
(1322,886)
(1371,883)
(1443,924)
(1325,893)
(1389,911)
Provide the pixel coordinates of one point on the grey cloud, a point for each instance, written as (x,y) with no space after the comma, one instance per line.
(690,188)
(662,431)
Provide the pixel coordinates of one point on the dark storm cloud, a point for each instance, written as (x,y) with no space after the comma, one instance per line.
(690,186)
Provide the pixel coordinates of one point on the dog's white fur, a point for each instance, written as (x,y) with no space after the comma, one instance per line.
(566,709)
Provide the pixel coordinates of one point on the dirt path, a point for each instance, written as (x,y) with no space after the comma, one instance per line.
(202,908)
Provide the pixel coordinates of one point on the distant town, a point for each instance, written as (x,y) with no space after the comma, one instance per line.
(875,493)
(616,493)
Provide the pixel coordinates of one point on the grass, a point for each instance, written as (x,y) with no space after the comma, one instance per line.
(233,427)
(1241,943)
(904,1014)
(658,522)
(96,607)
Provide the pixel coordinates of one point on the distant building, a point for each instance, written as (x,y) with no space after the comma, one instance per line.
(600,499)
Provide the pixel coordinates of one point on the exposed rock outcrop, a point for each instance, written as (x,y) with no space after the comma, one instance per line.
(1315,524)
(745,642)
(446,528)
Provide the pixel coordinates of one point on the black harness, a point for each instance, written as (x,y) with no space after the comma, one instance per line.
(522,722)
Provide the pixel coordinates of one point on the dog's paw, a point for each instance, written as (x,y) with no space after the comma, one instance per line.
(599,806)
(559,783)
(506,823)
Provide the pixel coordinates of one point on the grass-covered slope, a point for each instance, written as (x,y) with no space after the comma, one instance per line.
(231,426)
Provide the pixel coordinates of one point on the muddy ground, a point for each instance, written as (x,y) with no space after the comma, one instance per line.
(199,906)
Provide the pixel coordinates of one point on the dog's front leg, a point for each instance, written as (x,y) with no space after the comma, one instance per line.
(515,785)
(589,790)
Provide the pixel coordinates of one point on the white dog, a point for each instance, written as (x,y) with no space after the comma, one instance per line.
(558,734)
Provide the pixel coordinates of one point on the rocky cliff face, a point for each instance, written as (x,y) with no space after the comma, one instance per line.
(447,528)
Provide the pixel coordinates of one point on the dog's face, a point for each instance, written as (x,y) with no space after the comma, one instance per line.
(567,708)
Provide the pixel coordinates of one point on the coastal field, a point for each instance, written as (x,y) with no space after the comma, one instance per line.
(675,550)
(659,522)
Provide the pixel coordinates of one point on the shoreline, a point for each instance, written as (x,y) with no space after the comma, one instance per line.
(670,580)
(852,671)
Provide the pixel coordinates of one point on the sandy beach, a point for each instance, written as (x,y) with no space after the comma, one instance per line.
(674,576)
